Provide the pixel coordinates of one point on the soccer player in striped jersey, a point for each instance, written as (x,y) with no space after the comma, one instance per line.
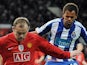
(64,32)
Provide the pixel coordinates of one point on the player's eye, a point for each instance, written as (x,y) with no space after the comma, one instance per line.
(69,16)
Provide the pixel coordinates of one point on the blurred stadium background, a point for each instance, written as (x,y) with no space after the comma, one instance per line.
(37,11)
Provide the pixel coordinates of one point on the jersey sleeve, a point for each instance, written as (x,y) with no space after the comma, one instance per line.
(2,40)
(49,49)
(84,34)
(46,27)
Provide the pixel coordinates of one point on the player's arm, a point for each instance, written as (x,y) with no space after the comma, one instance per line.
(44,28)
(79,47)
(3,40)
(34,32)
(1,60)
(49,49)
(84,62)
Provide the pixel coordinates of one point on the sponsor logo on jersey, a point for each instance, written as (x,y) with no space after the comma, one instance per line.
(62,43)
(10,48)
(21,56)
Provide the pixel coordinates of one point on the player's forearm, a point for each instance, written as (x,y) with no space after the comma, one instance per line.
(56,51)
(59,53)
(52,50)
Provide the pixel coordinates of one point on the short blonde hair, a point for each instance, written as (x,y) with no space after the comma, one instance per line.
(17,20)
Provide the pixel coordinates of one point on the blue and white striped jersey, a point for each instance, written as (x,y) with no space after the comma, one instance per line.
(62,37)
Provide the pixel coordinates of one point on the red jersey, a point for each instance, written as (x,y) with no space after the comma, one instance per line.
(80,58)
(38,55)
(15,53)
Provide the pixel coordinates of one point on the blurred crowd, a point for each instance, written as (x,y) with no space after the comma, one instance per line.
(36,10)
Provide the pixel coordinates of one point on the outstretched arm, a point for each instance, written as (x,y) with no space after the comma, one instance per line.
(49,49)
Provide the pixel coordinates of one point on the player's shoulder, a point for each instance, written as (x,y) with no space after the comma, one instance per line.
(79,24)
(34,36)
(4,38)
(55,20)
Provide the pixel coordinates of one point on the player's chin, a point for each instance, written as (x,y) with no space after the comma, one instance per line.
(68,26)
(20,39)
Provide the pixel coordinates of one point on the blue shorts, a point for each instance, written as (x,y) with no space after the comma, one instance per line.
(74,62)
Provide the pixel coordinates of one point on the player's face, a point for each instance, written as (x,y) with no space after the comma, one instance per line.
(20,31)
(68,18)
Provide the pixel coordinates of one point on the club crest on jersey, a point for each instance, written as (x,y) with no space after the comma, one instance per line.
(73,35)
(20,47)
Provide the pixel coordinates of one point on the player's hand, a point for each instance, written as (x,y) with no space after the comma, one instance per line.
(74,53)
(37,61)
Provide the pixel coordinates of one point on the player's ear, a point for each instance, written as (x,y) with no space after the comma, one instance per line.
(13,27)
(75,17)
(29,28)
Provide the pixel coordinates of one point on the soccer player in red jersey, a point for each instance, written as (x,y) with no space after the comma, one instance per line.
(81,58)
(18,47)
